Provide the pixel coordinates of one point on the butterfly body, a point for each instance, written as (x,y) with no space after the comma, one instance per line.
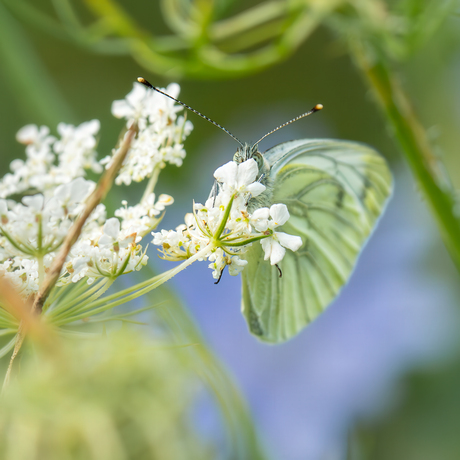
(251,151)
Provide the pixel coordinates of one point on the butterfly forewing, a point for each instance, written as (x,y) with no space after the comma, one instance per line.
(335,191)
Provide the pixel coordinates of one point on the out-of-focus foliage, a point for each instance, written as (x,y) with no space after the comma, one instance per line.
(115,397)
(425,426)
(394,29)
(209,39)
(215,39)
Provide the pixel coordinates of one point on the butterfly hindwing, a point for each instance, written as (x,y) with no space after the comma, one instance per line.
(335,192)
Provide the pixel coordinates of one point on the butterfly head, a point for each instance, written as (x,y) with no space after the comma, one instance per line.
(248,151)
(244,153)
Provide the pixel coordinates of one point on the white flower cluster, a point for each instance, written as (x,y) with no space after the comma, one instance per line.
(161,132)
(53,189)
(223,229)
(33,231)
(52,161)
(112,249)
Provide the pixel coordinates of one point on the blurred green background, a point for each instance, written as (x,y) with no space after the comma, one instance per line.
(45,79)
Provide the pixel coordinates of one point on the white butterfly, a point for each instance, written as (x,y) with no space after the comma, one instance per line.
(335,191)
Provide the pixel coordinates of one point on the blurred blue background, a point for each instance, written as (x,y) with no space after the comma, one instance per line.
(380,366)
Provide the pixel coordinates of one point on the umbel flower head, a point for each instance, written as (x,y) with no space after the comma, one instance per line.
(161,132)
(52,183)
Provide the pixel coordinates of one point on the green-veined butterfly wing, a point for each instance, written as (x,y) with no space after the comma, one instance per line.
(335,192)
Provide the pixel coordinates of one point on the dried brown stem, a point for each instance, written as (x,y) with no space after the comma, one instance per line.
(103,186)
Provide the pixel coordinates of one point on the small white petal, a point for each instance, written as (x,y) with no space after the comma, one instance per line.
(277,253)
(27,134)
(112,227)
(279,213)
(273,250)
(173,89)
(261,213)
(247,173)
(237,266)
(259,219)
(80,188)
(120,109)
(3,207)
(291,242)
(256,188)
(35,202)
(267,247)
(227,173)
(92,127)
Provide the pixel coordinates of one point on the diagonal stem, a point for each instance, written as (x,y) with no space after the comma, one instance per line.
(414,144)
(103,186)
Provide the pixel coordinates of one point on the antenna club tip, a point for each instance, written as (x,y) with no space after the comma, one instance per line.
(318,106)
(146,83)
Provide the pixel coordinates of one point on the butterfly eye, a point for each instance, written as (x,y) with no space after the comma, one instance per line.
(238,157)
(258,159)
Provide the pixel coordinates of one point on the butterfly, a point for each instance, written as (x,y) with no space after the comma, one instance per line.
(335,192)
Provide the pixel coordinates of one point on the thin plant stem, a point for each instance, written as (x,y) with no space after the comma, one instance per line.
(414,144)
(63,294)
(17,346)
(41,269)
(151,184)
(88,294)
(152,284)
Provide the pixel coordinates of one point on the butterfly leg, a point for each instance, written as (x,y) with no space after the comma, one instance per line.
(220,276)
(214,191)
(279,270)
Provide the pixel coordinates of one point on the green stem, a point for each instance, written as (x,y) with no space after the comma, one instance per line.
(248,20)
(414,144)
(41,269)
(63,294)
(151,184)
(88,296)
(224,220)
(101,305)
(243,242)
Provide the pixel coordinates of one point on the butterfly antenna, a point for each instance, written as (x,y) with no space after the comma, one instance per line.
(149,85)
(316,108)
